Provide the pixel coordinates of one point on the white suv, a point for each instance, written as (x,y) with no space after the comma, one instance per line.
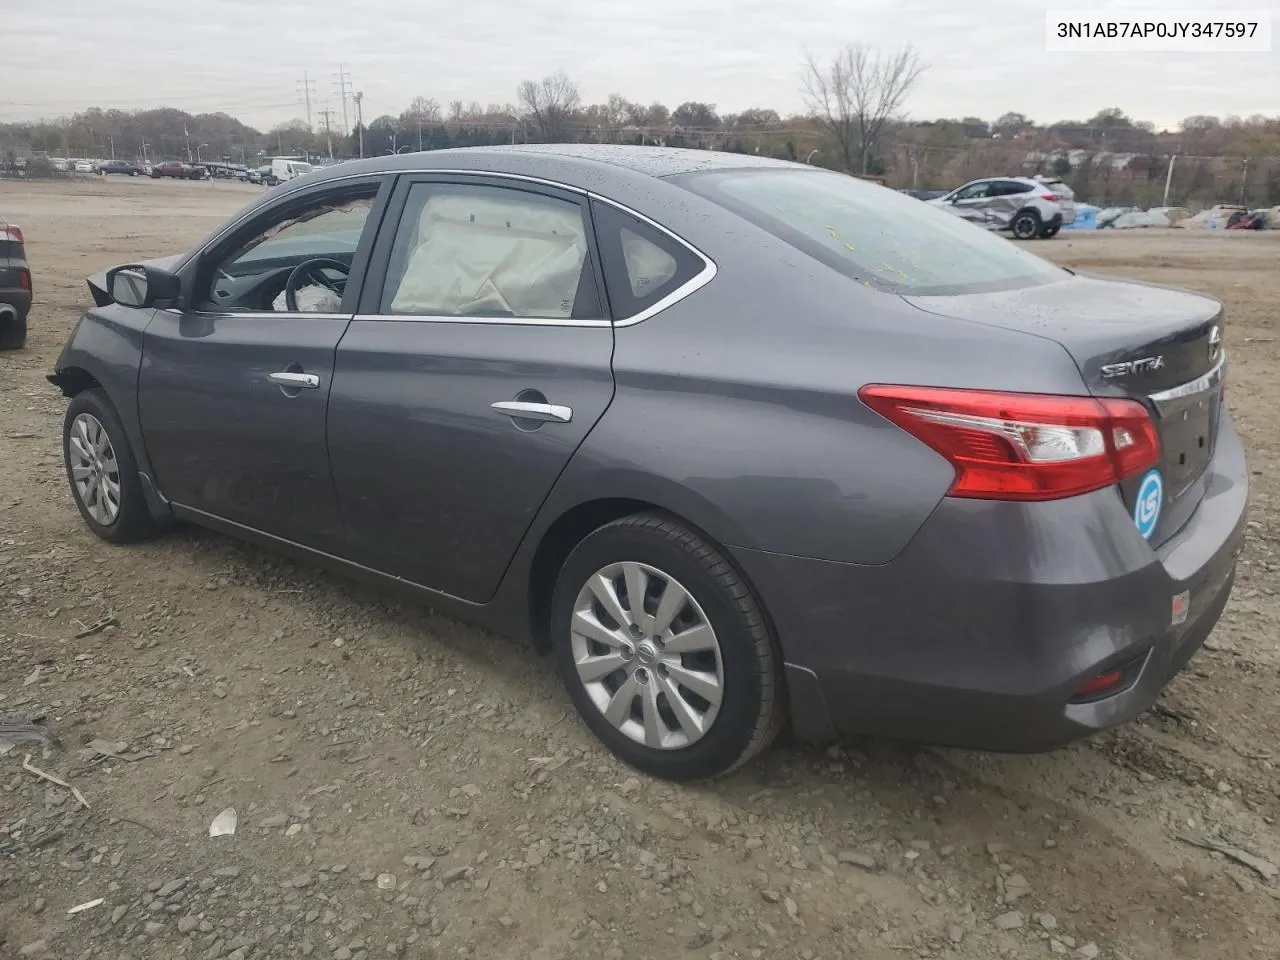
(1026,207)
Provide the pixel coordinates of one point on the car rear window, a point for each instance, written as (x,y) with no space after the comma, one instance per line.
(873,234)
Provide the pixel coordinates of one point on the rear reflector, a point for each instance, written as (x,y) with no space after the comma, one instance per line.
(1100,684)
(1023,446)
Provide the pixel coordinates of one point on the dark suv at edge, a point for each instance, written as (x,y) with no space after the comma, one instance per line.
(15,287)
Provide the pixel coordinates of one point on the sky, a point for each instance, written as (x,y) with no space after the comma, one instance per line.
(247,57)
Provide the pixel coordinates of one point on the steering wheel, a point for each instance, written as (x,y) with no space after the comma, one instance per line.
(313,270)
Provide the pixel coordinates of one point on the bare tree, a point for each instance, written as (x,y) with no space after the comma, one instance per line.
(856,93)
(550,103)
(424,110)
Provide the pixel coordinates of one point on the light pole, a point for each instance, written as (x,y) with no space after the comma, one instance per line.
(1168,179)
(360,118)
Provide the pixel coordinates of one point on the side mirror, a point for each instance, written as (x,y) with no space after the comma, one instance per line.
(135,285)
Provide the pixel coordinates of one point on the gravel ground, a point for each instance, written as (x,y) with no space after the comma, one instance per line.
(408,786)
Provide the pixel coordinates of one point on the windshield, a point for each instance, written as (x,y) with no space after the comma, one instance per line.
(875,235)
(300,168)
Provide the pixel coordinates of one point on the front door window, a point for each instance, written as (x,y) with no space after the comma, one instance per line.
(322,232)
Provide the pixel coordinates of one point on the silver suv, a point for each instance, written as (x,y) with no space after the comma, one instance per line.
(1026,207)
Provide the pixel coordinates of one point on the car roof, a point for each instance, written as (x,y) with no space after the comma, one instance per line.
(589,165)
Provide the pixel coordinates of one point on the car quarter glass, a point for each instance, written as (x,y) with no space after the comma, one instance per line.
(644,268)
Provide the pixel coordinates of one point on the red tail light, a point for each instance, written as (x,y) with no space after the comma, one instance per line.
(10,232)
(1051,197)
(24,280)
(1023,446)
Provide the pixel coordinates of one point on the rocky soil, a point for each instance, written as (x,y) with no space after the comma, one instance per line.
(406,786)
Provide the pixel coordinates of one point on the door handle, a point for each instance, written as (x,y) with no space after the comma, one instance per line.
(524,410)
(288,378)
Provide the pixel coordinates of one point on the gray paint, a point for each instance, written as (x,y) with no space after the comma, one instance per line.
(898,610)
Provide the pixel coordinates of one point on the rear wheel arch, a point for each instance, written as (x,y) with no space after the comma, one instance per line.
(575,525)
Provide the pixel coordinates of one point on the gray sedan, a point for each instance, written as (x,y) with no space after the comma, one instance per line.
(740,442)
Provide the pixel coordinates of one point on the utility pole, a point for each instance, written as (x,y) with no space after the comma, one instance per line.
(186,135)
(360,118)
(1168,179)
(308,87)
(1244,180)
(344,86)
(326,113)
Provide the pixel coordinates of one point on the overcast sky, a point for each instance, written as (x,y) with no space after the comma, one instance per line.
(247,57)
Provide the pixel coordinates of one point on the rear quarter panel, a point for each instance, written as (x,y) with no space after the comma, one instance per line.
(737,407)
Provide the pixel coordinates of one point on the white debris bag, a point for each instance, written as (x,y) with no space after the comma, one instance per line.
(224,824)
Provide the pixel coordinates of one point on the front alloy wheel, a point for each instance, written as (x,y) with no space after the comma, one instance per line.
(102,471)
(95,474)
(665,650)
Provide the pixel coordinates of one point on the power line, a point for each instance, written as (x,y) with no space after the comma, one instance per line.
(343,87)
(327,114)
(308,87)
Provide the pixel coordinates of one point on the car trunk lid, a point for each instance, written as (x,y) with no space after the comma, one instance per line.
(1154,344)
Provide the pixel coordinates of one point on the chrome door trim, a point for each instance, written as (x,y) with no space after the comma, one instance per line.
(293,380)
(524,410)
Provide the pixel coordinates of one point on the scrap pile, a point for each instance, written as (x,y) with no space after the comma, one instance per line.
(1222,216)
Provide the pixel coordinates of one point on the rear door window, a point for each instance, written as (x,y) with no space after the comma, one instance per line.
(480,251)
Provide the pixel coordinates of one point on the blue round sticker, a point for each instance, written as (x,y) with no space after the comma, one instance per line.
(1146,511)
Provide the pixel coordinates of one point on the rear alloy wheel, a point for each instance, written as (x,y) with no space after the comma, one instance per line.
(1026,225)
(102,471)
(664,650)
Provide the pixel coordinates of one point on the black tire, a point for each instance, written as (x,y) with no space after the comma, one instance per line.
(1049,232)
(1025,225)
(13,333)
(751,712)
(133,522)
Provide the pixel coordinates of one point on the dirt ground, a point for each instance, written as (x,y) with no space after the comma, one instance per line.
(409,786)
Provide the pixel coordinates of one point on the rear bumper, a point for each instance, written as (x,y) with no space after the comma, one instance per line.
(17,299)
(981,631)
